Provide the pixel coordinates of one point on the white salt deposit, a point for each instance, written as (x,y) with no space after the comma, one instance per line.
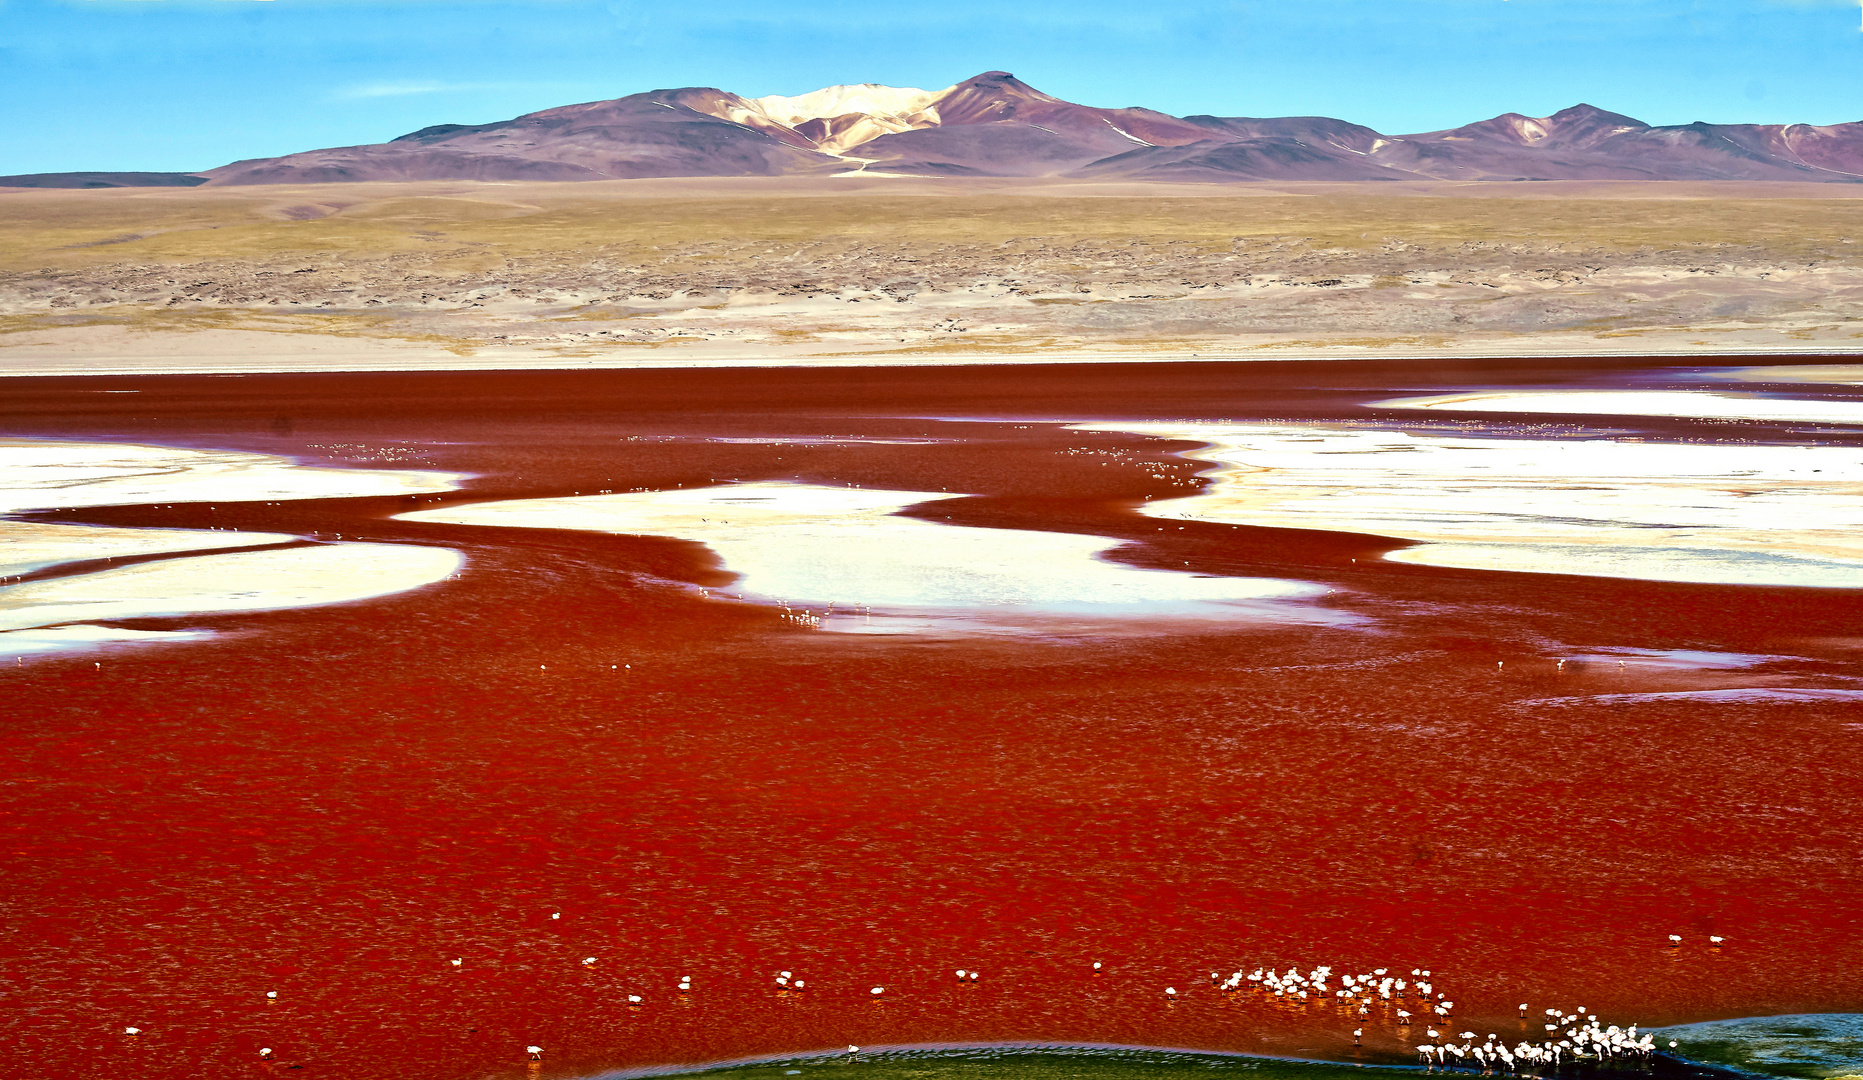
(1732,514)
(55,614)
(1684,404)
(37,474)
(1705,567)
(813,545)
(223,583)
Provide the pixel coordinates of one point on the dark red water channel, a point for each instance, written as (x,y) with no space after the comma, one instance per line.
(334,803)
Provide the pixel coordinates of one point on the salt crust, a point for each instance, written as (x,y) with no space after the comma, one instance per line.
(1680,404)
(1726,514)
(816,545)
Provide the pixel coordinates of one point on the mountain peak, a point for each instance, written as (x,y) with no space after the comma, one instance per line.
(1583,113)
(991,96)
(1580,126)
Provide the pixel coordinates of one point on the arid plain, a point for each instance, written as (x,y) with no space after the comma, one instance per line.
(787,270)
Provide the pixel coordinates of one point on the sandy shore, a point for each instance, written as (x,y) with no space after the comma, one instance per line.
(648,273)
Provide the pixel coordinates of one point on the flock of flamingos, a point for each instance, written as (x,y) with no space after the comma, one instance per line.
(1573,1035)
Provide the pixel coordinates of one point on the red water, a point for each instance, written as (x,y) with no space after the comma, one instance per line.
(333,803)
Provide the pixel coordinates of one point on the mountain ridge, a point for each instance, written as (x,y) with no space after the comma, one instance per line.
(995,125)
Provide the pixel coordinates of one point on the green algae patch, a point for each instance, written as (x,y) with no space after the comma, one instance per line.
(1805,1046)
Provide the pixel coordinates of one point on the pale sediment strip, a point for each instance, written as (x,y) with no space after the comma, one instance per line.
(1729,695)
(26,546)
(1714,513)
(1828,374)
(82,637)
(1676,404)
(849,560)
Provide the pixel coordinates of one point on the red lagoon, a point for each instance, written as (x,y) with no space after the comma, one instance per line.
(414,819)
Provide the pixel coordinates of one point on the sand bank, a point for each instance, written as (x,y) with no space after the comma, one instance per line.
(849,554)
(1783,515)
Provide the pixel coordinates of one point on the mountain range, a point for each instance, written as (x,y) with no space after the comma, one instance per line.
(995,125)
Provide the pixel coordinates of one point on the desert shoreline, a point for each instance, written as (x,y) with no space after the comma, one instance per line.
(441,362)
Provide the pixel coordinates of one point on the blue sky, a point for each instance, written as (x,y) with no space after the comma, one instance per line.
(191,84)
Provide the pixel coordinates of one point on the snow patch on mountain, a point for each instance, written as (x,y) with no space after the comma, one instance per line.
(833,119)
(829,102)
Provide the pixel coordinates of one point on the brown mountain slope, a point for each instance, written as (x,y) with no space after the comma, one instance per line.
(653,134)
(102,180)
(1279,158)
